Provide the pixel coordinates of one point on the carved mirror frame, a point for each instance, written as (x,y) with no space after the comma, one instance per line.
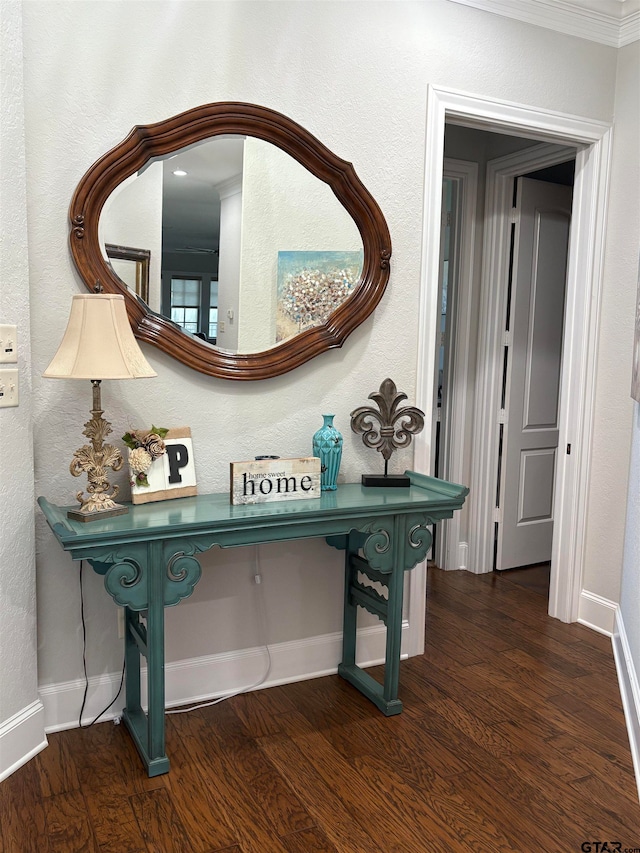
(157,140)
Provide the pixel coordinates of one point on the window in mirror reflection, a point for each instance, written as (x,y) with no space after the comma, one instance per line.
(185,303)
(191,301)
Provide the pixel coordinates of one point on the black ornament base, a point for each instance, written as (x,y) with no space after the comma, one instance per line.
(398,481)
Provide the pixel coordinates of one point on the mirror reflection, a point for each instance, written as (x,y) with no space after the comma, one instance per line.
(246,248)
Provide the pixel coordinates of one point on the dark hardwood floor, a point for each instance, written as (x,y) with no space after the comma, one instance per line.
(512,739)
(535,578)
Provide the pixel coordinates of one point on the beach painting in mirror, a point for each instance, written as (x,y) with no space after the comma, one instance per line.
(310,286)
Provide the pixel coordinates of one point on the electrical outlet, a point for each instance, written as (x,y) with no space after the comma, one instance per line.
(8,388)
(8,345)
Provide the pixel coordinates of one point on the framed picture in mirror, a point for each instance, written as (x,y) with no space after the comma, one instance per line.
(132,267)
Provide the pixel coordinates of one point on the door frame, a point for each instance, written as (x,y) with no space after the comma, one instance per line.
(592,141)
(450,551)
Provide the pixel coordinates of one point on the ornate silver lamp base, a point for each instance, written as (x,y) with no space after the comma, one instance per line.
(93,509)
(94,459)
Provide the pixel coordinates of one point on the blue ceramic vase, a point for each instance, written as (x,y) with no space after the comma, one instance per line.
(327,445)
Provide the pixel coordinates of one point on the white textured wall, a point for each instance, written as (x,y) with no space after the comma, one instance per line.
(18,675)
(612,436)
(355,75)
(630,588)
(229,263)
(624,260)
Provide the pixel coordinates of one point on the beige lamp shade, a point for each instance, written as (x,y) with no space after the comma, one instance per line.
(98,342)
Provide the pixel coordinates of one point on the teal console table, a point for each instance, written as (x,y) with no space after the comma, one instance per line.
(148,561)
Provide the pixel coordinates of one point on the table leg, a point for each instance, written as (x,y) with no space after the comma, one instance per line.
(132,661)
(350,613)
(155,659)
(395,587)
(385,697)
(147,730)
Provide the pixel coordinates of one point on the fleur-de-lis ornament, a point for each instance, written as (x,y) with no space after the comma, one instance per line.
(388,429)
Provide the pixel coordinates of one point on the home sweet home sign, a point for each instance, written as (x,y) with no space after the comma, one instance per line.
(260,481)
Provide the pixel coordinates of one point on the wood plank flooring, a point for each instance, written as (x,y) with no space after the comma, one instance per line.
(512,739)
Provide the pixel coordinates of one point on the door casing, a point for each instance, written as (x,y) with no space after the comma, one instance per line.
(591,142)
(451,551)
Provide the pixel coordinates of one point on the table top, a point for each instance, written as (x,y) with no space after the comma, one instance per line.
(207,512)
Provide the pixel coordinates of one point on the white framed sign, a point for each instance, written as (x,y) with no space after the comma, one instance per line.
(171,472)
(260,481)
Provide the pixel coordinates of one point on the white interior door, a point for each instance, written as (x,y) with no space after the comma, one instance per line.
(533,351)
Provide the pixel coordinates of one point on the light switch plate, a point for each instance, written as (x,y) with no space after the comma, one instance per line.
(8,388)
(8,344)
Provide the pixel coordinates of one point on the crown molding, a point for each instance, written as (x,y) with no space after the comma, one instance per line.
(611,22)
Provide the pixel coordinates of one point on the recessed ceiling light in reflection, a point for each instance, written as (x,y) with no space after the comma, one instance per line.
(179,172)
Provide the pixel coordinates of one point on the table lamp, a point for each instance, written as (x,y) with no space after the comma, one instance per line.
(98,344)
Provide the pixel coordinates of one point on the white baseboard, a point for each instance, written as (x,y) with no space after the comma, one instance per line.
(463,556)
(21,737)
(629,691)
(212,676)
(597,613)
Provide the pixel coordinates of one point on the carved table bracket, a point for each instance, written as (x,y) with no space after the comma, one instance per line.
(126,572)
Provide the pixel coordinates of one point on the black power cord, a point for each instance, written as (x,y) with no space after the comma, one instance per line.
(84,665)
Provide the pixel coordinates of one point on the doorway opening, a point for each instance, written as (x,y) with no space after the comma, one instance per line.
(534,233)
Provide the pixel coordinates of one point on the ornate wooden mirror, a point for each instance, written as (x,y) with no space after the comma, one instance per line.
(265,247)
